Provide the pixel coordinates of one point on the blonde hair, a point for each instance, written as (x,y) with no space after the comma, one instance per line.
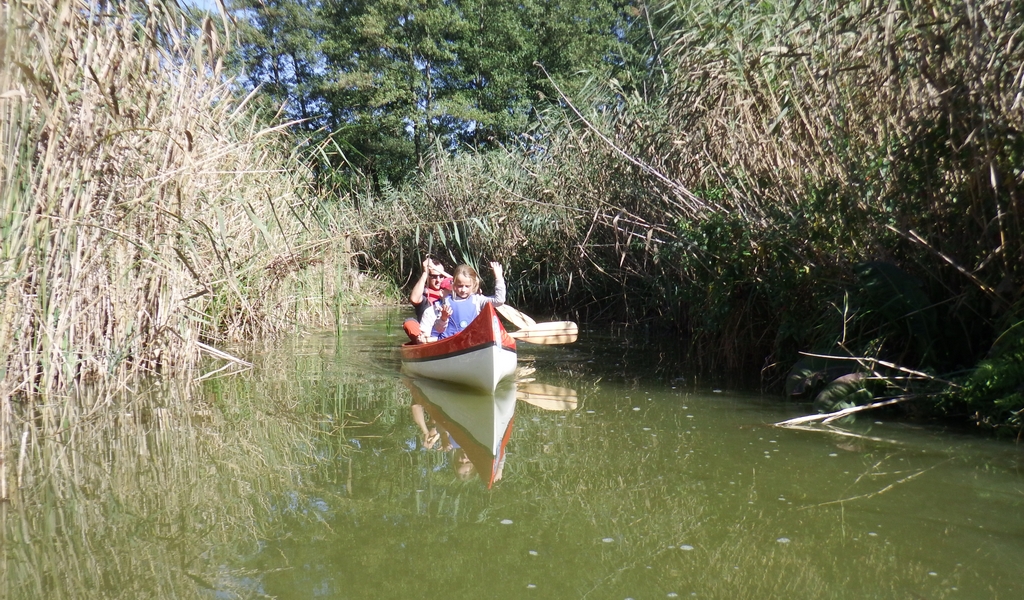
(469,273)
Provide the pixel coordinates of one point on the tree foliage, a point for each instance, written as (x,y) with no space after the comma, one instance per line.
(393,80)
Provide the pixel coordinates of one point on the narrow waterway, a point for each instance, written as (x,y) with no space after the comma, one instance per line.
(604,473)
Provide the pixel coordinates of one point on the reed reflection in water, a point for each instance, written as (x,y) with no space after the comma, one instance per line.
(169,490)
(160,493)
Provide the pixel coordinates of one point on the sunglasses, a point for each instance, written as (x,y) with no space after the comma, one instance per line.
(437,276)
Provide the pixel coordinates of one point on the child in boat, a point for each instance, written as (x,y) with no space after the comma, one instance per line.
(432,287)
(452,314)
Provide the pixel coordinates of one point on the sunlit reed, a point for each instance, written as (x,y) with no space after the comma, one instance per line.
(727,183)
(145,207)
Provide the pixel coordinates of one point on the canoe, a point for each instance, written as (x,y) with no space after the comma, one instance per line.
(480,423)
(478,357)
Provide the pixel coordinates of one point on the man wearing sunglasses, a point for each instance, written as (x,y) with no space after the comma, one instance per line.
(432,285)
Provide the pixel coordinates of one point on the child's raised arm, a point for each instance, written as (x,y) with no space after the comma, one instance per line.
(499,283)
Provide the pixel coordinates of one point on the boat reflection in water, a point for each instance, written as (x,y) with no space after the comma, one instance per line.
(474,424)
(479,424)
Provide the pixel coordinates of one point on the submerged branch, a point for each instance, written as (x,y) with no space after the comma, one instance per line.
(842,432)
(879,492)
(221,354)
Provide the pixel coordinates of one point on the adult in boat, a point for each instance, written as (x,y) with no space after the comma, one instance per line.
(453,313)
(431,287)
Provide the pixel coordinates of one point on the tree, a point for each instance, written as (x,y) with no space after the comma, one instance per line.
(393,80)
(280,53)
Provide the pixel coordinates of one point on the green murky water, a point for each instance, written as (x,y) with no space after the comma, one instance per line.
(310,476)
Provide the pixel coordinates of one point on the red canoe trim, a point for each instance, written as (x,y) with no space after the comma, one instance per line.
(450,354)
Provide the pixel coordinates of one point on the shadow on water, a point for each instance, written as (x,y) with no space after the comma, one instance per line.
(315,474)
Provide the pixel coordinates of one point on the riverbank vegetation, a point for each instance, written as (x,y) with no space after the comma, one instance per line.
(148,207)
(824,194)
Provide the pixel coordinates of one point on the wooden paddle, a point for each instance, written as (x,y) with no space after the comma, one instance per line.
(554,332)
(548,397)
(519,319)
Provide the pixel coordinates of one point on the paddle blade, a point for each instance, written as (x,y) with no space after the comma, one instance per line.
(548,397)
(540,338)
(519,319)
(554,332)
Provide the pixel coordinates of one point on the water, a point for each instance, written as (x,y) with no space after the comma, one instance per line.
(309,477)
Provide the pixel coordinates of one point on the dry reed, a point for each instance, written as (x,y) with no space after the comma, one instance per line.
(145,207)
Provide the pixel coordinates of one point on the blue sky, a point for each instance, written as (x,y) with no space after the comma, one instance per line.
(210,5)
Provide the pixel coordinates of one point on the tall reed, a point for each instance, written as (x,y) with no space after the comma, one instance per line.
(146,207)
(818,136)
(147,211)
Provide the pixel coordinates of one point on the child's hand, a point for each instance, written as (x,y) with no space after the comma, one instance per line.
(446,311)
(496,267)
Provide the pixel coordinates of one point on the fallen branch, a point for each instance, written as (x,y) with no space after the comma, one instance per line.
(879,492)
(832,416)
(865,359)
(842,432)
(221,354)
(214,372)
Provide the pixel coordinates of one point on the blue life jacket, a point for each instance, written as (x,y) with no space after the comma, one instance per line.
(463,313)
